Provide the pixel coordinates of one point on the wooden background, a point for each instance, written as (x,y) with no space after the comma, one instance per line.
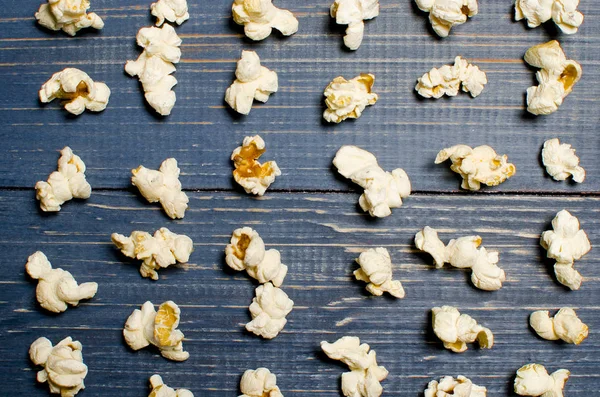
(309,214)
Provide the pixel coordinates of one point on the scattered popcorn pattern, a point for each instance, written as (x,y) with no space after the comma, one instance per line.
(260,17)
(249,173)
(269,309)
(376,270)
(68,15)
(450,387)
(561,162)
(533,380)
(456,330)
(445,14)
(353,13)
(174,11)
(448,79)
(565,325)
(563,12)
(159,389)
(259,383)
(347,99)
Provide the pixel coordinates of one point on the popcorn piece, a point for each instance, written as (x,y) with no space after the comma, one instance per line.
(68,15)
(376,270)
(463,253)
(383,190)
(159,389)
(78,90)
(533,380)
(445,14)
(64,369)
(565,325)
(563,12)
(566,243)
(448,79)
(346,99)
(477,166)
(352,13)
(259,383)
(260,17)
(65,184)
(561,161)
(249,173)
(450,387)
(556,77)
(155,65)
(162,186)
(162,250)
(170,10)
(252,81)
(365,375)
(56,287)
(268,310)
(456,330)
(148,326)
(247,252)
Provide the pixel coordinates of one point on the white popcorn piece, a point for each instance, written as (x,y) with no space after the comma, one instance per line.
(563,12)
(557,77)
(68,15)
(249,173)
(561,161)
(347,99)
(159,389)
(174,11)
(162,186)
(159,328)
(246,251)
(365,375)
(259,383)
(65,184)
(450,387)
(56,287)
(565,325)
(383,190)
(353,13)
(445,14)
(268,310)
(566,243)
(162,250)
(260,17)
(477,165)
(78,91)
(455,330)
(64,369)
(448,79)
(252,81)
(533,380)
(155,65)
(376,270)
(463,253)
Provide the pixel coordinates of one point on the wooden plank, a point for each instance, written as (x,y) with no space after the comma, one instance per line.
(401,129)
(318,235)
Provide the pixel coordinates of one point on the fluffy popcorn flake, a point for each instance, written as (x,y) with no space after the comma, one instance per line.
(445,14)
(347,99)
(260,17)
(450,387)
(561,161)
(382,190)
(533,380)
(449,78)
(563,12)
(160,389)
(376,270)
(63,365)
(565,325)
(365,375)
(249,173)
(353,13)
(268,310)
(68,15)
(259,383)
(455,330)
(174,11)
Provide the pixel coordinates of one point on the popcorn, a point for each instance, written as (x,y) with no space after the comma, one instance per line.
(463,253)
(148,326)
(376,270)
(78,90)
(247,252)
(346,99)
(68,15)
(456,330)
(260,17)
(383,190)
(259,383)
(159,389)
(365,375)
(170,10)
(65,184)
(155,65)
(162,186)
(450,387)
(533,380)
(268,310)
(563,12)
(353,13)
(565,325)
(445,14)
(448,79)
(249,173)
(161,251)
(561,161)
(253,81)
(64,369)
(477,166)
